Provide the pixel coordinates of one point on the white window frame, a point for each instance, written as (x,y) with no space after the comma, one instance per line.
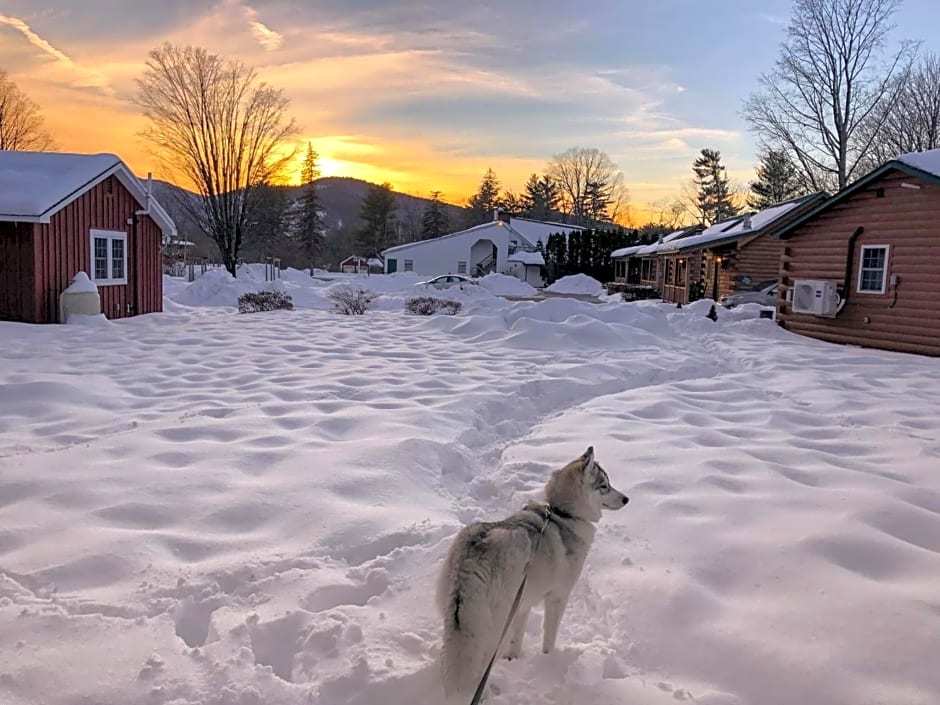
(461,267)
(861,267)
(408,265)
(110,236)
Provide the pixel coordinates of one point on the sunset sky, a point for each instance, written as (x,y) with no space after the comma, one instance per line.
(428,95)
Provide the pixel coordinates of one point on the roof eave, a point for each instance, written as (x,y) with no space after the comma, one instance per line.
(855,187)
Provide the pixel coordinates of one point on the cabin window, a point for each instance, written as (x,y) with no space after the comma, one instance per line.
(873,269)
(109,257)
(409,265)
(461,268)
(680,273)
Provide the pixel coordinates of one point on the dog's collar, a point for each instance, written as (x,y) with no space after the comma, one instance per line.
(560,513)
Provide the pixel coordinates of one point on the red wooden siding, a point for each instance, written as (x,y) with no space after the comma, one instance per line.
(16,271)
(905,318)
(62,248)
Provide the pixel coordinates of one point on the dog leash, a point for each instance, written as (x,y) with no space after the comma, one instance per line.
(478,694)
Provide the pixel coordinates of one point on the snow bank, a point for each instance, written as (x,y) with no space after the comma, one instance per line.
(215,288)
(577,284)
(505,285)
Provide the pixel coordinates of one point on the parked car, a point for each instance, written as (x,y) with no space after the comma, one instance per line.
(765,296)
(445,281)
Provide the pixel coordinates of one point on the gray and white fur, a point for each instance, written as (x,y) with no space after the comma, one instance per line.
(485,565)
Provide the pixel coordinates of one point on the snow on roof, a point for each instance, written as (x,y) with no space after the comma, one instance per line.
(32,183)
(536,231)
(36,185)
(656,246)
(925,161)
(375,262)
(533,258)
(626,251)
(735,227)
(425,243)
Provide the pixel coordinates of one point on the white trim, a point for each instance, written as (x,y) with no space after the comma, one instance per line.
(119,170)
(110,236)
(884,271)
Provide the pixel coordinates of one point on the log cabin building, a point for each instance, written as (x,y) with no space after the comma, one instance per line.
(863,267)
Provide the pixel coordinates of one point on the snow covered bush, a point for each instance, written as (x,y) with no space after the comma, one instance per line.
(428,305)
(255,301)
(352,301)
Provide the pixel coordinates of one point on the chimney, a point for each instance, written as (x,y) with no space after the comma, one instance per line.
(500,214)
(747,221)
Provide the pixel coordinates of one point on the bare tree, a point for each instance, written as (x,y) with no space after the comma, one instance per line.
(668,212)
(21,125)
(215,125)
(829,81)
(913,123)
(410,213)
(589,182)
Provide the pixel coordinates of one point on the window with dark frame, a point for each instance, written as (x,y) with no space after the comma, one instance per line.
(461,267)
(101,258)
(873,269)
(409,265)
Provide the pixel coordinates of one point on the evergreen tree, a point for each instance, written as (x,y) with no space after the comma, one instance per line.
(597,200)
(308,229)
(514,204)
(556,257)
(378,220)
(435,222)
(778,180)
(543,195)
(480,206)
(713,201)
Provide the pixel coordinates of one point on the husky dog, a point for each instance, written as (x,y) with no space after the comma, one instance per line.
(486,563)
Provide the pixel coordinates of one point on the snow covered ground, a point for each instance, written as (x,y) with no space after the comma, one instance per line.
(205,507)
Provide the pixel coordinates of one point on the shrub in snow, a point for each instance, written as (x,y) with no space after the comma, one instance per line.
(428,305)
(712,313)
(352,301)
(255,301)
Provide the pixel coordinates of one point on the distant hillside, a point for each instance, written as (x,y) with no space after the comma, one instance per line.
(340,198)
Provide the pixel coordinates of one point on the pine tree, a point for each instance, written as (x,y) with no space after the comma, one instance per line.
(309,226)
(778,180)
(543,195)
(515,204)
(435,222)
(480,206)
(556,257)
(712,190)
(378,220)
(597,200)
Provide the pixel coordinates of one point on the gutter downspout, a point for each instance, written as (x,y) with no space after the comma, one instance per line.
(849,264)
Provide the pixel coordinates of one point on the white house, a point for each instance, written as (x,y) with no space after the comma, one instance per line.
(506,244)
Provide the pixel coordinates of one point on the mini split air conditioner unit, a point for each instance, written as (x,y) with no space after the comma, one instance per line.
(814,296)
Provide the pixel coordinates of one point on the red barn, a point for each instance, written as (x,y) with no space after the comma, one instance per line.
(65,213)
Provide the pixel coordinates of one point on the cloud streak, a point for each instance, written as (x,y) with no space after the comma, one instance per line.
(84,77)
(267,37)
